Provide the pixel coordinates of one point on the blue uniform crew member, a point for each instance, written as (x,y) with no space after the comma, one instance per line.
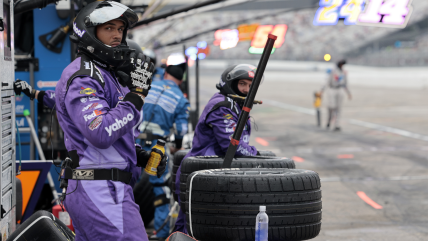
(165,106)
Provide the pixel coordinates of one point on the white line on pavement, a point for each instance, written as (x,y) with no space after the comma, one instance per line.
(352,121)
(364,179)
(290,107)
(389,129)
(383,128)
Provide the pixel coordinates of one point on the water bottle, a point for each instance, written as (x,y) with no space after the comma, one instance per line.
(262,225)
(155,157)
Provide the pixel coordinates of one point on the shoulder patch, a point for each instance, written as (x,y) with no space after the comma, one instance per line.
(228,103)
(87,68)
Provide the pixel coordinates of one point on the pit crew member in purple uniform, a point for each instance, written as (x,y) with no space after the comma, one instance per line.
(99,118)
(47,98)
(218,121)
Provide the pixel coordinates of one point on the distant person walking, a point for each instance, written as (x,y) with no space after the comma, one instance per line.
(337,83)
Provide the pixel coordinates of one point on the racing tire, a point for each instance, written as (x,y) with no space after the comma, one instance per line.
(145,198)
(178,158)
(192,164)
(266,153)
(42,225)
(225,203)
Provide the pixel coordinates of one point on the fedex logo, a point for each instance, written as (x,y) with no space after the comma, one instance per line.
(119,124)
(95,113)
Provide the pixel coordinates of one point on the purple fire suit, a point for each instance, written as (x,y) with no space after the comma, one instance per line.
(47,98)
(212,137)
(102,129)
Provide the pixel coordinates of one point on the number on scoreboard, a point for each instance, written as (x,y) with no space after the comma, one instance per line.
(386,13)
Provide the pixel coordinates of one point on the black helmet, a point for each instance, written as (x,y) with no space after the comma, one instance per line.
(151,54)
(229,79)
(84,31)
(133,45)
(341,62)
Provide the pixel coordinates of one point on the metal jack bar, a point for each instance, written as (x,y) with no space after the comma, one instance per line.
(42,157)
(249,101)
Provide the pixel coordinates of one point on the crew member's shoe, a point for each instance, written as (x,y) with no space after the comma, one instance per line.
(337,129)
(328,126)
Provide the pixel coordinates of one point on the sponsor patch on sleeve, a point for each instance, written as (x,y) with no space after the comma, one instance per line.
(87,91)
(92,106)
(228,116)
(96,123)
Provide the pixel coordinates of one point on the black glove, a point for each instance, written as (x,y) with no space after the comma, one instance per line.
(22,86)
(143,156)
(162,166)
(258,153)
(137,73)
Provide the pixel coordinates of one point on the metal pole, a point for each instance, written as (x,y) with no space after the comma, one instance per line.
(249,101)
(197,87)
(32,152)
(42,157)
(186,85)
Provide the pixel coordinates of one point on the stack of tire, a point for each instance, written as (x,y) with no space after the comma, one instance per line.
(223,204)
(193,164)
(178,158)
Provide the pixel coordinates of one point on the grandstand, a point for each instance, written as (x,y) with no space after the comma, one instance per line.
(304,41)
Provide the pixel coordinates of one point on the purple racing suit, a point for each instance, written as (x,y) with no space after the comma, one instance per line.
(212,137)
(102,129)
(47,98)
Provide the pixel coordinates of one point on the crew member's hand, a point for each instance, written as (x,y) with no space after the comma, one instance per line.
(143,156)
(137,73)
(23,87)
(174,150)
(162,166)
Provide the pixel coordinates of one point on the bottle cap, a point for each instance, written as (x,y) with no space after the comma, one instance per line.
(262,208)
(161,142)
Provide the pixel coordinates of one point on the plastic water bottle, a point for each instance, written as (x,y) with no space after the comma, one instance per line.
(262,225)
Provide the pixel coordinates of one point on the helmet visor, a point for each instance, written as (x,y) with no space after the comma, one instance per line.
(243,71)
(107,11)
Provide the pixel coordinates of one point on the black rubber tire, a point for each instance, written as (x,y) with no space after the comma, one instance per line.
(18,186)
(192,164)
(179,155)
(178,158)
(42,225)
(144,197)
(225,203)
(266,153)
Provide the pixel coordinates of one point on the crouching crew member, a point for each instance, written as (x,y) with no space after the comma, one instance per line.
(218,122)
